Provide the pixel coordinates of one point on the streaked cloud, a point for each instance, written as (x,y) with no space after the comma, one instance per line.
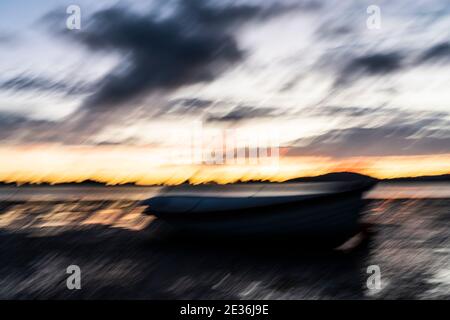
(437,53)
(38,84)
(195,43)
(334,88)
(245,113)
(369,65)
(382,133)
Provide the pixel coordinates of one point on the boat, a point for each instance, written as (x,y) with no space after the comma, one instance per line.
(320,211)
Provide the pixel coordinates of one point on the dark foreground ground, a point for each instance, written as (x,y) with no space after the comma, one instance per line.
(111,242)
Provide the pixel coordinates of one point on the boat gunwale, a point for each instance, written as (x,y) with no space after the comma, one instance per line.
(358,189)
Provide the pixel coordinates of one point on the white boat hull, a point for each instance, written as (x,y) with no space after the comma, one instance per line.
(326,216)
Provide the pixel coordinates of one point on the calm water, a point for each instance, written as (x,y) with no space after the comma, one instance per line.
(103,231)
(74,193)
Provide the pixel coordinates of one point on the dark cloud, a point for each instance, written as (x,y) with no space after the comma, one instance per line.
(429,135)
(184,106)
(245,113)
(6,38)
(16,128)
(378,64)
(188,104)
(219,110)
(437,53)
(329,30)
(381,64)
(350,68)
(292,82)
(346,112)
(195,43)
(41,84)
(20,129)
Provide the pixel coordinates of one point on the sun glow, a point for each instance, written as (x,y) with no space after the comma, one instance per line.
(150,165)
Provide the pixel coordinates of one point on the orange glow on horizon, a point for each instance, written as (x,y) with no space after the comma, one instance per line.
(147,166)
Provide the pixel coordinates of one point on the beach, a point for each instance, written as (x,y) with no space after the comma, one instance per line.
(43,230)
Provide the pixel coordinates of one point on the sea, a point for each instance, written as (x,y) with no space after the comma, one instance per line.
(101,230)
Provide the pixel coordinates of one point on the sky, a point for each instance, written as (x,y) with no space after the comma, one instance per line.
(336,85)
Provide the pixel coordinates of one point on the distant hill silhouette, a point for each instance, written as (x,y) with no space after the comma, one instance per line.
(329,177)
(351,176)
(440,178)
(7,184)
(335,176)
(87,183)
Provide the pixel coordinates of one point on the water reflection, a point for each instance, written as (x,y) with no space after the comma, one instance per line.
(114,245)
